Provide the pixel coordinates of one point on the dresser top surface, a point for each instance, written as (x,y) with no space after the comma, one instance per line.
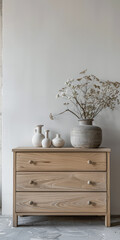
(40,149)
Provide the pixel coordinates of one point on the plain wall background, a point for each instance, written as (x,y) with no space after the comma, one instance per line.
(0,102)
(45,42)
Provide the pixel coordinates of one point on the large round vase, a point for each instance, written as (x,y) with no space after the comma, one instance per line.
(86,135)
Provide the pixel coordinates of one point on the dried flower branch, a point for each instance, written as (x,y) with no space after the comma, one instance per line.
(89,96)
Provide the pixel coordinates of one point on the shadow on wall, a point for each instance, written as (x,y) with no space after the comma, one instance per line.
(111,138)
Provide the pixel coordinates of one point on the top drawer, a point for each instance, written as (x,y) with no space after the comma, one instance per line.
(61,161)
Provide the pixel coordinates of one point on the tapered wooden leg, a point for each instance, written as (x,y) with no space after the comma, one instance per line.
(15,216)
(107,217)
(107,220)
(15,220)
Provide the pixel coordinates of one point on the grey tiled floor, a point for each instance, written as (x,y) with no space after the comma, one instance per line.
(59,228)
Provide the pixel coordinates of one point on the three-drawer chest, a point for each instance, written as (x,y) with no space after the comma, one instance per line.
(61,181)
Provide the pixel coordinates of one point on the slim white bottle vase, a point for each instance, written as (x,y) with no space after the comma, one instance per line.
(46,142)
(38,136)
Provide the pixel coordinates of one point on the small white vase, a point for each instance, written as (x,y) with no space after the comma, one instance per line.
(58,141)
(38,136)
(46,142)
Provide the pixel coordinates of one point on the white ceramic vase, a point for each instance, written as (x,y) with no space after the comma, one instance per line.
(86,135)
(58,141)
(46,142)
(38,136)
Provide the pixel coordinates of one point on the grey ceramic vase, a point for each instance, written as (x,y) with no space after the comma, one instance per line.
(86,135)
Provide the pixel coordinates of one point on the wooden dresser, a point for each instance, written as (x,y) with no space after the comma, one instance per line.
(66,181)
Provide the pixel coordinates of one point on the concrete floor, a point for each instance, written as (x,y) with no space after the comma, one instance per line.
(59,228)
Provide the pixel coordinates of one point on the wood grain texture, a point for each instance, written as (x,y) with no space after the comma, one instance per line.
(61,181)
(15,217)
(60,161)
(33,149)
(107,217)
(60,202)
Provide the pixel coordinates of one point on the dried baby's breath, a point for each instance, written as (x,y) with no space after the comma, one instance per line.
(88,96)
(51,116)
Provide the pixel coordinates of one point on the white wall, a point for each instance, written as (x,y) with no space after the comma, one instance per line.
(0,101)
(44,43)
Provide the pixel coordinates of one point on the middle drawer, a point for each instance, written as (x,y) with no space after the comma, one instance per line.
(60,181)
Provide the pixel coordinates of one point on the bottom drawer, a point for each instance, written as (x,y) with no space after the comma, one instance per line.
(56,202)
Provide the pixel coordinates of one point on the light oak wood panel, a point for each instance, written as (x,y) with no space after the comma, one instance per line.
(61,161)
(15,217)
(61,181)
(107,217)
(52,149)
(60,202)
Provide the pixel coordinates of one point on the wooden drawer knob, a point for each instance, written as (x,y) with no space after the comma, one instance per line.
(89,162)
(31,182)
(31,162)
(89,203)
(89,182)
(31,202)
